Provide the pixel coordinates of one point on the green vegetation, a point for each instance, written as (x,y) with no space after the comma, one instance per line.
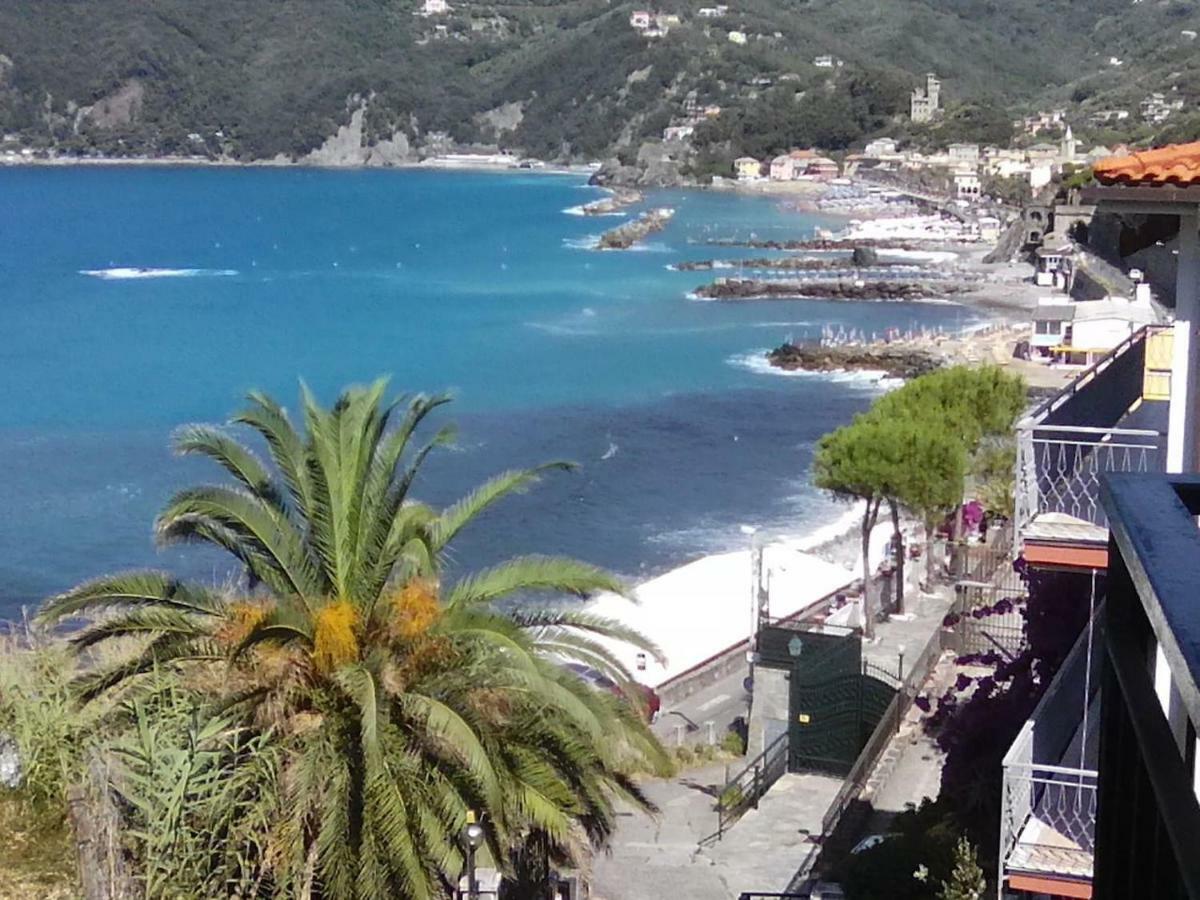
(222,77)
(911,449)
(966,881)
(323,727)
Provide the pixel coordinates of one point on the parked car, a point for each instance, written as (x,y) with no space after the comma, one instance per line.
(651,703)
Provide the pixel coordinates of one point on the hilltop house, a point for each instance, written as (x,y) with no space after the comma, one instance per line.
(926,102)
(880,147)
(435,8)
(747,168)
(737,37)
(639,19)
(712,12)
(678,132)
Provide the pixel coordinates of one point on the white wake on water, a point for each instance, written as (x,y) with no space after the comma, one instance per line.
(123,273)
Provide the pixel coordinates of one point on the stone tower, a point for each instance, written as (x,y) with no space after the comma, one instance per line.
(927,101)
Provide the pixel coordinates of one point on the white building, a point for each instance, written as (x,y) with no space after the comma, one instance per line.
(884,146)
(1102,324)
(678,132)
(1051,331)
(787,168)
(737,37)
(989,228)
(435,8)
(823,62)
(966,184)
(964,153)
(640,19)
(712,12)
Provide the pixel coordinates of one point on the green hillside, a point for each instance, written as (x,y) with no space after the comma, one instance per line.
(257,78)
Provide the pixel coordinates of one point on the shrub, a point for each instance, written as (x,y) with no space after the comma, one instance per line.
(734,744)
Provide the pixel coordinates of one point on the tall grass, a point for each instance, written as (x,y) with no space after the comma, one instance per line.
(52,734)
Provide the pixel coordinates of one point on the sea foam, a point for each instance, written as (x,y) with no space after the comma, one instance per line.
(124,273)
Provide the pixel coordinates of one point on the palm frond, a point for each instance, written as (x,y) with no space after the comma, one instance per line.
(533,573)
(249,528)
(457,516)
(130,589)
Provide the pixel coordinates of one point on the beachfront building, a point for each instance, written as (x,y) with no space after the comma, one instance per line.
(785,168)
(926,101)
(747,168)
(989,229)
(1051,328)
(966,185)
(822,168)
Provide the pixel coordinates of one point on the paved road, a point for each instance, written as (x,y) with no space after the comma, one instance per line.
(720,703)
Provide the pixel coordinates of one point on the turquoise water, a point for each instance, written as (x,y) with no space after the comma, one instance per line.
(478,283)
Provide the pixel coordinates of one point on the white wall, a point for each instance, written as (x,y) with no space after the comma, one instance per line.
(1100,334)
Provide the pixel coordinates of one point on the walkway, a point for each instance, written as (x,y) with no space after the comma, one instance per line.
(762,852)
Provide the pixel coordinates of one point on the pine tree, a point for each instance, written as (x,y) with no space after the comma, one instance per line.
(966,881)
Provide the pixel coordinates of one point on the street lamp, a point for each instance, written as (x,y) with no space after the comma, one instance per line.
(473,838)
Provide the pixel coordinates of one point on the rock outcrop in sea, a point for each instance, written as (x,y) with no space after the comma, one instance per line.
(625,236)
(896,363)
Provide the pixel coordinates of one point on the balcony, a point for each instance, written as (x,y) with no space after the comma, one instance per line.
(1048,809)
(1112,418)
(1148,812)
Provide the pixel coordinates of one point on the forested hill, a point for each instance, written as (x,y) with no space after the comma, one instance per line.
(571,79)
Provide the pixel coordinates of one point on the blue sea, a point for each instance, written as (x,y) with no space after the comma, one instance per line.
(135,299)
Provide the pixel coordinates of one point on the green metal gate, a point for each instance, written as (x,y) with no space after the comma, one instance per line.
(833,705)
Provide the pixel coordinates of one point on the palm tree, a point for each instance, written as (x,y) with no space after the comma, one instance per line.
(400,703)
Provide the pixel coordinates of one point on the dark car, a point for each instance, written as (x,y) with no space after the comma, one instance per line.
(650,700)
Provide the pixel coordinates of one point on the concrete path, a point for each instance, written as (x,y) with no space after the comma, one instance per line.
(762,852)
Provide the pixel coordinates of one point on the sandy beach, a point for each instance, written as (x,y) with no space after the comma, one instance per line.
(704,608)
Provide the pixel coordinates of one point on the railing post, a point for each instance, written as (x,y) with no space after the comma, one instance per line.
(755,786)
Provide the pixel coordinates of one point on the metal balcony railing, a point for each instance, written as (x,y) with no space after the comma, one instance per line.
(1059,468)
(1072,439)
(1048,805)
(1049,815)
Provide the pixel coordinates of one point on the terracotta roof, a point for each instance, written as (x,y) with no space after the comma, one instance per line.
(1174,164)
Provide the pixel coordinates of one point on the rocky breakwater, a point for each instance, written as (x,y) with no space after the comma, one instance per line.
(817,244)
(625,236)
(789,264)
(620,198)
(843,289)
(895,362)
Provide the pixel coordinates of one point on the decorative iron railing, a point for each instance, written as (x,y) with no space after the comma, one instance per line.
(1048,820)
(1048,804)
(1059,468)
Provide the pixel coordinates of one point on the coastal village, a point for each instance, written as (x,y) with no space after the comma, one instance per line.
(980,680)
